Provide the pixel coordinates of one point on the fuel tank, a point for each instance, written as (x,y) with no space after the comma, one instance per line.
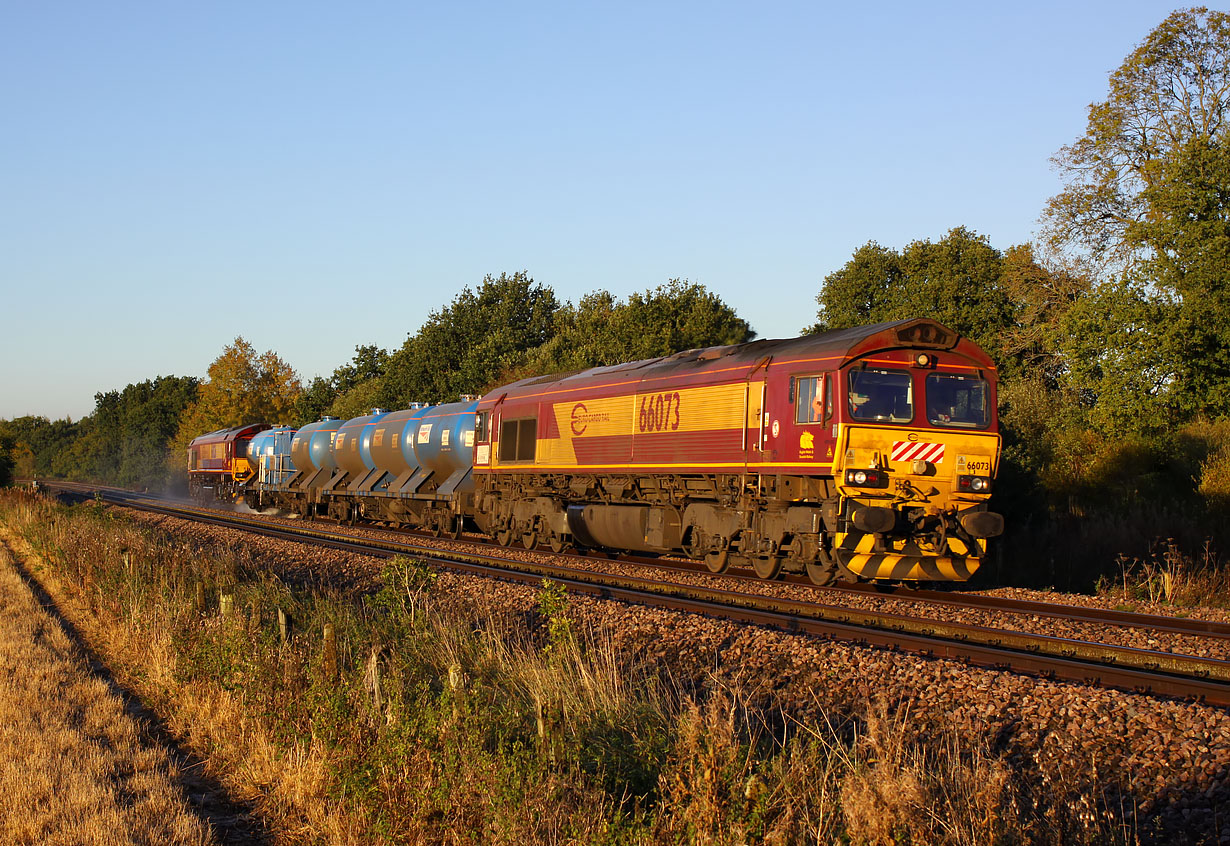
(392,441)
(352,447)
(444,443)
(312,446)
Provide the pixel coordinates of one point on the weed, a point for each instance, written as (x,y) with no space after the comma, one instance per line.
(553,605)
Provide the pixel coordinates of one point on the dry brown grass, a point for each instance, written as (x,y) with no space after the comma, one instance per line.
(287,787)
(1169,575)
(947,792)
(74,768)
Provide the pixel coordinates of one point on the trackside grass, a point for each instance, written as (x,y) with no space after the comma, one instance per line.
(394,717)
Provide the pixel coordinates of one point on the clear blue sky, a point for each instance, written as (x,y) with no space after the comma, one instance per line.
(314,176)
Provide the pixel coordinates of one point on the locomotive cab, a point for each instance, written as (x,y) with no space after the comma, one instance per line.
(915,455)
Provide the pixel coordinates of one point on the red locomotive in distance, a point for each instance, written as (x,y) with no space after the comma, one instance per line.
(218,462)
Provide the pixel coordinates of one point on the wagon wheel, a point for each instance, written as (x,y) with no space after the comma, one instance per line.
(504,537)
(557,542)
(767,566)
(530,540)
(454,531)
(718,562)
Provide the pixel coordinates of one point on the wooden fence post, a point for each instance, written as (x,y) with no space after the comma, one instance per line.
(330,652)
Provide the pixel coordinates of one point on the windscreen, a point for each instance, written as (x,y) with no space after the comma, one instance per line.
(882,396)
(960,401)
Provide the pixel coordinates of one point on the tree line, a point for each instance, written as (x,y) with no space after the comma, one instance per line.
(1111,332)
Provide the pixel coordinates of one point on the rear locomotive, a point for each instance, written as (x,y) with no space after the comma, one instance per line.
(218,463)
(865,453)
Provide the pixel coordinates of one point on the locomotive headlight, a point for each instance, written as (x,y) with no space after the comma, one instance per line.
(867,478)
(974,484)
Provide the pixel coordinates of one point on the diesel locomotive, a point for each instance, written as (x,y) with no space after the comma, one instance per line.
(859,454)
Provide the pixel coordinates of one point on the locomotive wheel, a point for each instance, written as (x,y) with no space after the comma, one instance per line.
(766,566)
(718,562)
(821,573)
(556,542)
(504,537)
(530,540)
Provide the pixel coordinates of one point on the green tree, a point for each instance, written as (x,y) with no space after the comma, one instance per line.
(357,401)
(1043,292)
(1112,369)
(1146,197)
(7,459)
(958,281)
(366,368)
(130,429)
(40,445)
(601,330)
(463,348)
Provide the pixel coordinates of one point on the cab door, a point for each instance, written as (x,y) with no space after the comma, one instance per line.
(801,429)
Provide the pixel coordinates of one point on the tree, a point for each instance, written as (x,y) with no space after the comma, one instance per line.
(366,368)
(40,445)
(1147,198)
(958,281)
(1042,292)
(463,348)
(243,388)
(1170,91)
(357,401)
(601,330)
(7,459)
(131,429)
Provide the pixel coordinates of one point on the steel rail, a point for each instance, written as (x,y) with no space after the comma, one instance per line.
(1160,673)
(1055,610)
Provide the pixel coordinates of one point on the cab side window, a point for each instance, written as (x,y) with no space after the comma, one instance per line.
(518,439)
(810,399)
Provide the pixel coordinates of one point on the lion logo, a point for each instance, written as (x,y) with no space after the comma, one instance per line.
(807,441)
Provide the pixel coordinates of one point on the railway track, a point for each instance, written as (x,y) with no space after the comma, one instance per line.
(1126,668)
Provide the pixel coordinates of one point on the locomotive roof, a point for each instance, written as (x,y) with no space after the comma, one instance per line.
(846,344)
(224,435)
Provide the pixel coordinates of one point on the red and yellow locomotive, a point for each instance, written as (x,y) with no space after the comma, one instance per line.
(218,465)
(858,453)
